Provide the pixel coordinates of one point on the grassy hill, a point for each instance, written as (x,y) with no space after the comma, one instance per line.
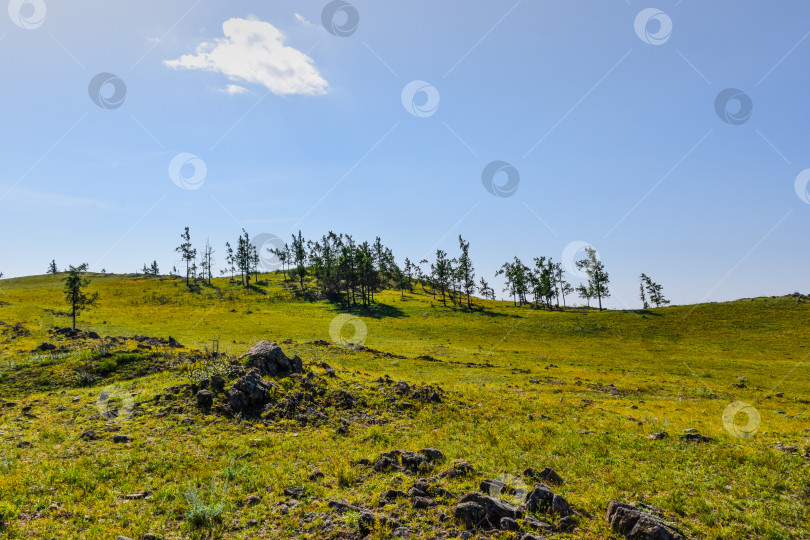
(577,390)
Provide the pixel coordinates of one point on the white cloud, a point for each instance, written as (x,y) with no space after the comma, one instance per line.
(253,51)
(233,89)
(300,18)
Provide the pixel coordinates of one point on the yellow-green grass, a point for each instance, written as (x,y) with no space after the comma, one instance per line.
(674,368)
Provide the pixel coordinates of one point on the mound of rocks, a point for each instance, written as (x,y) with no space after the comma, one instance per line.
(636,523)
(268,358)
(250,394)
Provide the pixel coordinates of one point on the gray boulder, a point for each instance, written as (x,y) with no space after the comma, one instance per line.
(637,524)
(479,510)
(268,358)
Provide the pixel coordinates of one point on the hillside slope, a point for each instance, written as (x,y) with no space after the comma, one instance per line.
(576,390)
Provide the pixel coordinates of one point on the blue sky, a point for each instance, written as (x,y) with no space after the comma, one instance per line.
(614,133)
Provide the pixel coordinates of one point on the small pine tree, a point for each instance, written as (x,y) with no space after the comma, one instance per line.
(188,254)
(52,267)
(74,291)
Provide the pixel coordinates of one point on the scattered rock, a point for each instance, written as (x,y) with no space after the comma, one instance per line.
(509,524)
(460,468)
(121,438)
(696,437)
(540,499)
(433,455)
(476,510)
(567,524)
(316,475)
(636,524)
(89,435)
(657,436)
(295,492)
(406,460)
(205,399)
(390,496)
(420,503)
(46,347)
(253,500)
(217,384)
(385,464)
(546,475)
(341,507)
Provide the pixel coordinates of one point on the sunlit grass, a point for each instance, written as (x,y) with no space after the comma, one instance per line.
(525,391)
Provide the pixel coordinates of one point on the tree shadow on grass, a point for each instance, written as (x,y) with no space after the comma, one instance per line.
(645,312)
(374,311)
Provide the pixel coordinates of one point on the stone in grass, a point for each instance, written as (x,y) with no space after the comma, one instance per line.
(696,437)
(390,496)
(546,475)
(478,510)
(121,438)
(368,521)
(567,524)
(205,399)
(295,492)
(217,384)
(420,503)
(460,468)
(637,524)
(433,455)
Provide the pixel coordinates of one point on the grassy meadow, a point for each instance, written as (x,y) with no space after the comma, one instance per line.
(523,387)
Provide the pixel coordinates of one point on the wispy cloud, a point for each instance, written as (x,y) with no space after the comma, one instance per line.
(303,20)
(40,199)
(253,51)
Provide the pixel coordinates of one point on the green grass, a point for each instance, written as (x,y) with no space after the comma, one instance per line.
(523,390)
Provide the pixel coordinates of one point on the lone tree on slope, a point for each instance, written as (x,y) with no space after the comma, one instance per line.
(75,282)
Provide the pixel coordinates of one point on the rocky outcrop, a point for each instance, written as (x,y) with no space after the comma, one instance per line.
(476,510)
(250,394)
(268,358)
